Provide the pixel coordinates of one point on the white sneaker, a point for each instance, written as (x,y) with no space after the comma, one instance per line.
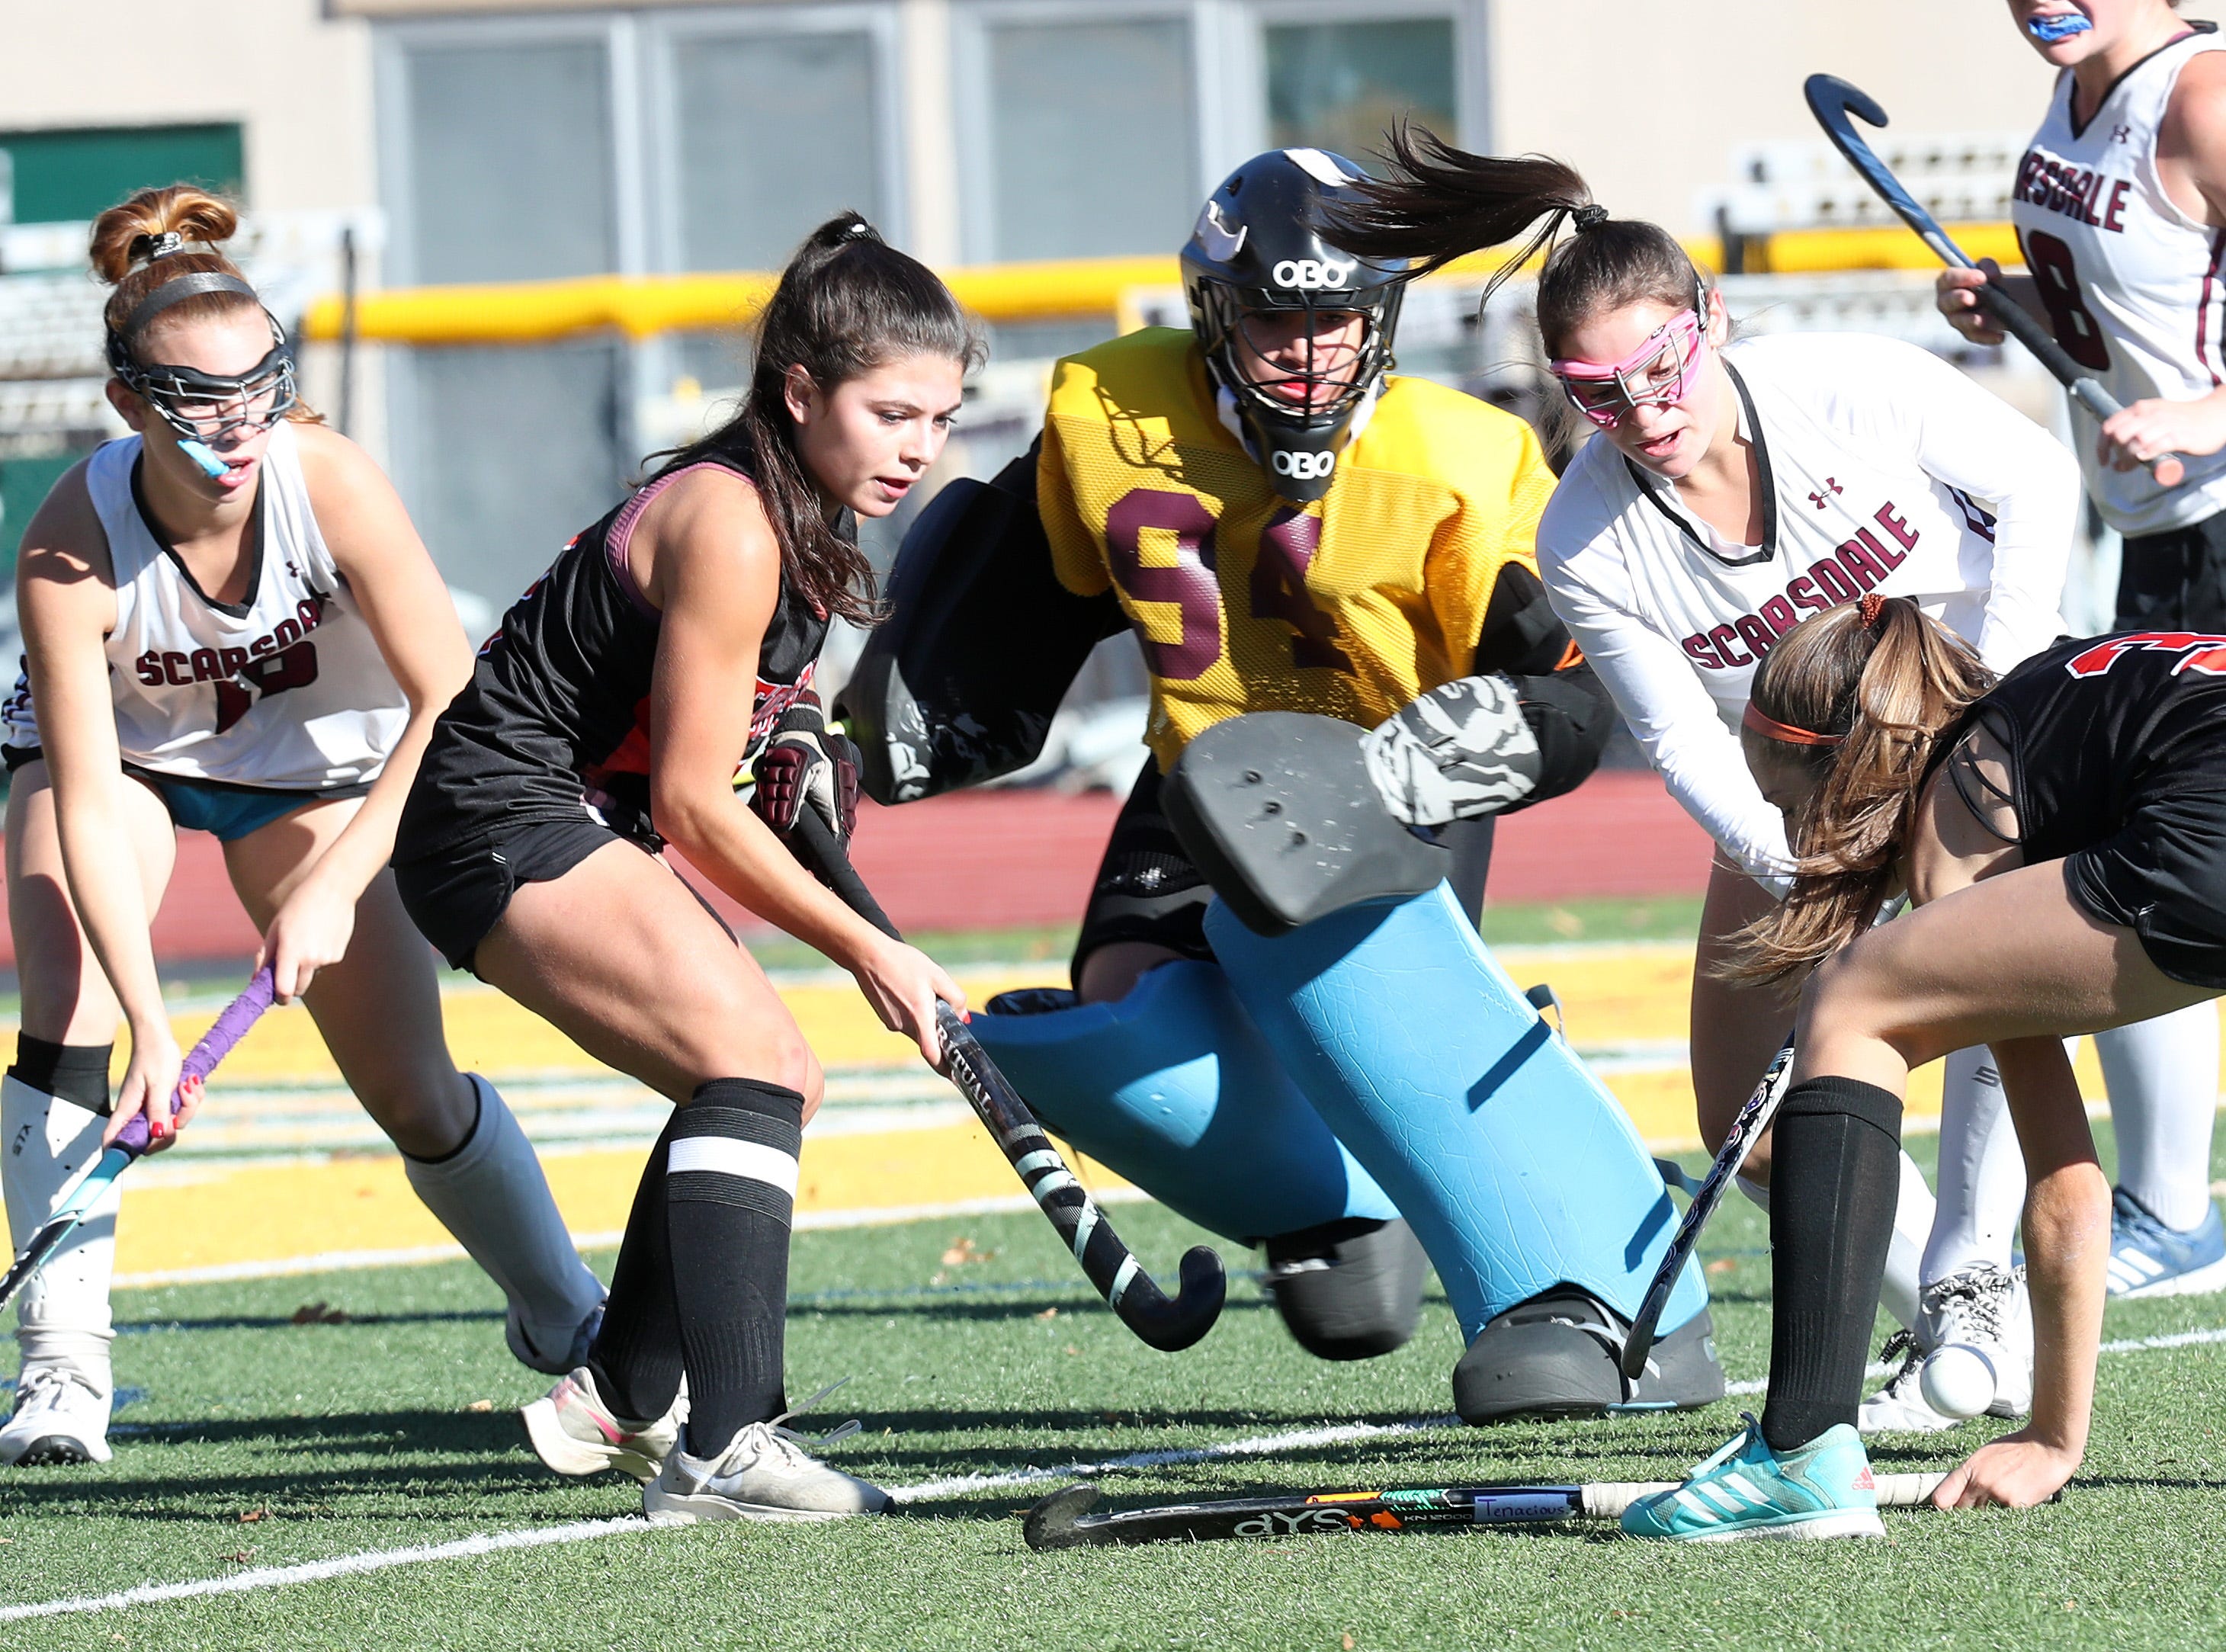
(60,1416)
(1899,1407)
(1985,1307)
(574,1433)
(765,1473)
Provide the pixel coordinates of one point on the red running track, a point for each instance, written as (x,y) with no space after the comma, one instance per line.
(1000,859)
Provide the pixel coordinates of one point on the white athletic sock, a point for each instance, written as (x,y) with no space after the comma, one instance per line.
(1912,1223)
(2163,1079)
(490,1194)
(1981,1169)
(63,1314)
(1757,1194)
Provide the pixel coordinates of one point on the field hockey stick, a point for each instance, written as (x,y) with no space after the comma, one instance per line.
(1831,101)
(132,1139)
(1168,1326)
(1064,1521)
(1747,1125)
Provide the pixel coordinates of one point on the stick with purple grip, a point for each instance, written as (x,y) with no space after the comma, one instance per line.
(132,1139)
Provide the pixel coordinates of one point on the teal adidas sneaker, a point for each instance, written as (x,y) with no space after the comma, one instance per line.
(1748,1491)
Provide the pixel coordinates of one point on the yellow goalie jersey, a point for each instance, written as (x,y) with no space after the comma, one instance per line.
(1244,602)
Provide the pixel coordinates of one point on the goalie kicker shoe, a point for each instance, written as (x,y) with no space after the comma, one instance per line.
(1349,1289)
(574,1433)
(2149,1259)
(1748,1491)
(60,1416)
(764,1473)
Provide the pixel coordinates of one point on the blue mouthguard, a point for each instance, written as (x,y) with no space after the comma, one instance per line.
(2062,26)
(204,456)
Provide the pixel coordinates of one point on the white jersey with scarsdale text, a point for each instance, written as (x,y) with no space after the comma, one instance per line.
(2134,286)
(287,690)
(1883,468)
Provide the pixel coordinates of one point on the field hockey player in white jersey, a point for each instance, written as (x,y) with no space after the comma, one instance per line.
(2119,205)
(1731,490)
(229,623)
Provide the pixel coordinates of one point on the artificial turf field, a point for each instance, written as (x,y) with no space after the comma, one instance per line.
(259,1437)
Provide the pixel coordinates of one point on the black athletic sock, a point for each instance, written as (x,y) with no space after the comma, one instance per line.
(636,1357)
(68,1072)
(730,1191)
(1834,1179)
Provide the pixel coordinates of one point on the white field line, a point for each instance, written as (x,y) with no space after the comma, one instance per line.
(273,1577)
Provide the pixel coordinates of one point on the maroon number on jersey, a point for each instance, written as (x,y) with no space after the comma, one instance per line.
(1189,582)
(297,668)
(1279,589)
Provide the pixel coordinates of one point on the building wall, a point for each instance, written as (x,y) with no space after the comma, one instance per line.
(1649,102)
(298,80)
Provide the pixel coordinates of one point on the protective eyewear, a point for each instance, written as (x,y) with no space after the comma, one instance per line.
(209,407)
(1656,374)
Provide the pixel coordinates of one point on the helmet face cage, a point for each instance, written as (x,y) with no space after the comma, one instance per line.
(1348,372)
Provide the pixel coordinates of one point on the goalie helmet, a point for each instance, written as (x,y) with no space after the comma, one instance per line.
(1258,256)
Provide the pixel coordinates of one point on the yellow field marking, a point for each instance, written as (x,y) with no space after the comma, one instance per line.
(178,1214)
(194,1218)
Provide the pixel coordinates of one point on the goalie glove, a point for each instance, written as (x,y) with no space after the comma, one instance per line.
(1462,750)
(804,764)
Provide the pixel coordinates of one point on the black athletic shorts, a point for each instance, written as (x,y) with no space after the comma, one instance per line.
(2163,875)
(2174,581)
(1148,890)
(457,895)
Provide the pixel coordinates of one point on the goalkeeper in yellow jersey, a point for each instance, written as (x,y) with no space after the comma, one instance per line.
(1333,1068)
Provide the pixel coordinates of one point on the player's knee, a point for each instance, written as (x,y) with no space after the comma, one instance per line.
(427,1115)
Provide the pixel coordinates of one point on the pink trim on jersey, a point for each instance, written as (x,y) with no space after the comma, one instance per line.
(614,543)
(2202,310)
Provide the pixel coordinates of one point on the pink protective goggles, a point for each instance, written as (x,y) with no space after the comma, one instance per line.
(1655,374)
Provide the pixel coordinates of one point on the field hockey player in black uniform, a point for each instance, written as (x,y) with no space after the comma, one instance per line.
(671,643)
(2062,837)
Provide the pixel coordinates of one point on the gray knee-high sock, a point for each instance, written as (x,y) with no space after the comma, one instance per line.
(490,1194)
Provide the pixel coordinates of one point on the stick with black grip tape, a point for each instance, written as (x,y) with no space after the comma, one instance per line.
(1063,1519)
(1832,100)
(132,1139)
(1167,1324)
(1747,1125)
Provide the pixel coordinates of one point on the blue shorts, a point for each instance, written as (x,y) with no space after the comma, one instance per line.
(226,812)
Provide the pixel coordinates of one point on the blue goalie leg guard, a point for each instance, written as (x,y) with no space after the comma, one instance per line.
(1516,1168)
(1173,1087)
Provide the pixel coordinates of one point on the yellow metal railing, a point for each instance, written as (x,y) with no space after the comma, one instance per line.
(638,306)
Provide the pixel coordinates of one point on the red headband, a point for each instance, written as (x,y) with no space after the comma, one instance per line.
(1774,729)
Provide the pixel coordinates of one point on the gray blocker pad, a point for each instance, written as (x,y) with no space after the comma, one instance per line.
(1277,811)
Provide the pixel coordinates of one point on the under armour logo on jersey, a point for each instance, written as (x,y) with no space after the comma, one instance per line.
(2121,134)
(1831,482)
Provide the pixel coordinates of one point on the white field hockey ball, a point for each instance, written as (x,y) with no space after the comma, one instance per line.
(1958,1380)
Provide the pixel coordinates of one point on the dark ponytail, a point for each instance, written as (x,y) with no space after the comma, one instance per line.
(848,302)
(1438,203)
